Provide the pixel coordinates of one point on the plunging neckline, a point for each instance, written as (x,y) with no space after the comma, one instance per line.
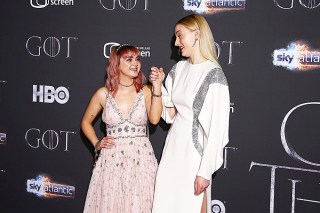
(134,103)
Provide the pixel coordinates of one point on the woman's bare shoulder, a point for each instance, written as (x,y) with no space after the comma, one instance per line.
(101,94)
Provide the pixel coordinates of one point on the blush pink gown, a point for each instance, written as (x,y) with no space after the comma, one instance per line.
(123,178)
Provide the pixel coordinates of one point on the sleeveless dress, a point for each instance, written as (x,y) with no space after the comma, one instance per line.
(123,178)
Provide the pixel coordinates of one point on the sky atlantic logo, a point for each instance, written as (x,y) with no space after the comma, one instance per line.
(51,46)
(3,138)
(214,6)
(48,94)
(39,4)
(145,51)
(298,56)
(291,4)
(42,186)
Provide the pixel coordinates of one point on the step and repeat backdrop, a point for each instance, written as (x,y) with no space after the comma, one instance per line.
(53,58)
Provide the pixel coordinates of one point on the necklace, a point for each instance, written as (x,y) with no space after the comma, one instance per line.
(126,85)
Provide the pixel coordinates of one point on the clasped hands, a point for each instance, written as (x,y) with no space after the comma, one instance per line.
(156,76)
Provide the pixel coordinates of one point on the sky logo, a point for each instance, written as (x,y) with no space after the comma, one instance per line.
(214,6)
(297,56)
(193,3)
(42,186)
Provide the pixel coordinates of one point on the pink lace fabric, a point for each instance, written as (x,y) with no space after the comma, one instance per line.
(123,178)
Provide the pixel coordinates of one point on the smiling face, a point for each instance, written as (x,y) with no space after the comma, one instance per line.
(129,65)
(185,39)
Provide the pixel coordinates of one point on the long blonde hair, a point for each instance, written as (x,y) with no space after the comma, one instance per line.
(206,42)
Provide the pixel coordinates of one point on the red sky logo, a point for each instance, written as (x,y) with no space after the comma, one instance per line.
(214,6)
(298,56)
(42,186)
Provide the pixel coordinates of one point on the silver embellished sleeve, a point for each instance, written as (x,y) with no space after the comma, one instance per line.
(214,76)
(172,73)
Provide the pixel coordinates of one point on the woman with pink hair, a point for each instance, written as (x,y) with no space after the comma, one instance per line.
(124,173)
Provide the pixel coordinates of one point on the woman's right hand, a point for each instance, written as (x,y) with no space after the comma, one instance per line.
(106,142)
(156,76)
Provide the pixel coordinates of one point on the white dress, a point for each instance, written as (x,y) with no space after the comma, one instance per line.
(197,136)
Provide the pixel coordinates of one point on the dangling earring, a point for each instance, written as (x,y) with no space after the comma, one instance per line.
(195,41)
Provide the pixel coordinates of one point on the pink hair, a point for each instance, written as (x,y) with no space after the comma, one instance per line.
(113,72)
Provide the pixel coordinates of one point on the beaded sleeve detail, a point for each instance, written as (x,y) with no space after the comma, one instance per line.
(172,72)
(214,76)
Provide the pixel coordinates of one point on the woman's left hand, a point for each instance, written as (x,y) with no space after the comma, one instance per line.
(200,185)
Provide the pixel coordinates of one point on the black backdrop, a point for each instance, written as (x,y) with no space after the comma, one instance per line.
(53,58)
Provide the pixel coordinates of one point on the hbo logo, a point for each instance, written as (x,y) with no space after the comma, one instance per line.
(48,94)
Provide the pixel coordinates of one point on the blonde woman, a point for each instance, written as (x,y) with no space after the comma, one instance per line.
(196,102)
